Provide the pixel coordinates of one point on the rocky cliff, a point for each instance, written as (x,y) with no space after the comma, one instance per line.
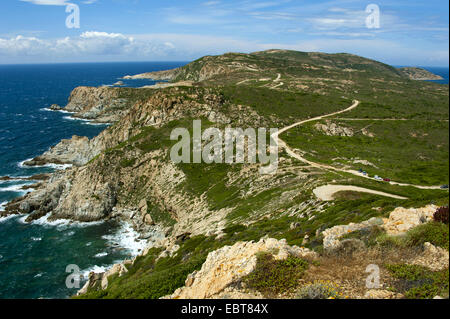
(102,104)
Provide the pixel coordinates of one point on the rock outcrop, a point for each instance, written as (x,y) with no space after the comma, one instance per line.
(100,104)
(229,264)
(332,129)
(55,107)
(100,280)
(432,257)
(382,294)
(332,235)
(75,151)
(403,219)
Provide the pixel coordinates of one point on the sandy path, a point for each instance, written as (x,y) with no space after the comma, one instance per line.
(326,192)
(291,153)
(278,78)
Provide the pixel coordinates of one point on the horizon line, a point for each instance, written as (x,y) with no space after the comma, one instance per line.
(180,61)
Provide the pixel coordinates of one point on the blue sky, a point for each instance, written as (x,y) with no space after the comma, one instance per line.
(34,31)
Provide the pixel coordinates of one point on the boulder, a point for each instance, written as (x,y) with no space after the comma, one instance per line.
(401,219)
(382,294)
(55,107)
(434,258)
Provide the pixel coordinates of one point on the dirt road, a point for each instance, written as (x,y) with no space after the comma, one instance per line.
(291,153)
(327,192)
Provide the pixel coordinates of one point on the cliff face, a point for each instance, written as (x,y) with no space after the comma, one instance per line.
(167,75)
(101,104)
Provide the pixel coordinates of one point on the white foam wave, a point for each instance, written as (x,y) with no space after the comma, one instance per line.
(85,121)
(126,237)
(71,118)
(66,112)
(4,219)
(2,209)
(50,165)
(16,179)
(95,269)
(61,224)
(97,124)
(22,164)
(46,109)
(57,166)
(17,188)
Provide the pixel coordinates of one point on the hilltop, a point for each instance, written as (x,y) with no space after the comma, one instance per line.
(233,68)
(338,114)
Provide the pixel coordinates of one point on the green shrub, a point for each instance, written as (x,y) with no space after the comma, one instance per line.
(127,162)
(272,277)
(434,232)
(368,235)
(417,282)
(389,241)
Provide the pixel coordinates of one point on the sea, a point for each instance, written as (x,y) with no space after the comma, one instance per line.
(34,257)
(443,72)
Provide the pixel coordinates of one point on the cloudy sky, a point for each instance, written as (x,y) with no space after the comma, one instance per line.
(411,32)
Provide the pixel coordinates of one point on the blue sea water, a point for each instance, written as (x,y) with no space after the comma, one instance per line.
(33,257)
(442,71)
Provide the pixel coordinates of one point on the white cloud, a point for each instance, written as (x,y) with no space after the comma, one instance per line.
(102,46)
(88,43)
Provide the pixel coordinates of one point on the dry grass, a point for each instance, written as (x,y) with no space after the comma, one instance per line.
(349,272)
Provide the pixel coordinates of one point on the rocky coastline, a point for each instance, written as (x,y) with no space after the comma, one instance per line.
(419,74)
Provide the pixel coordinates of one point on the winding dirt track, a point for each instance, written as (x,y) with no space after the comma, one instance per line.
(332,189)
(326,192)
